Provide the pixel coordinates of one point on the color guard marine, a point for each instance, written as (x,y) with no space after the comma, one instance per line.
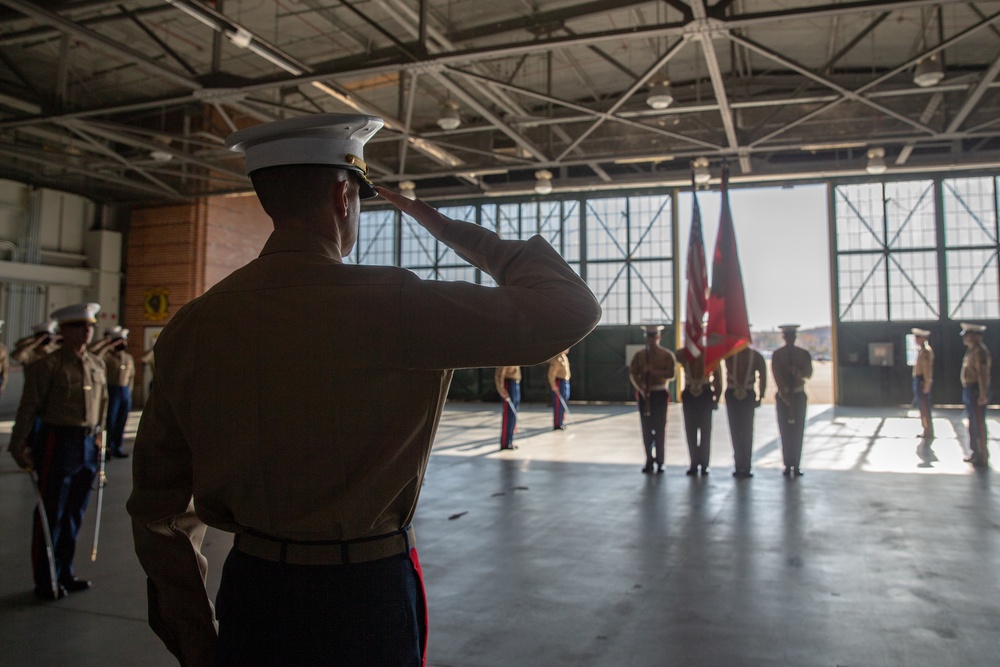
(791,367)
(649,371)
(745,371)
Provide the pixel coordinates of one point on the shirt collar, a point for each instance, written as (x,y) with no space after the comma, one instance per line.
(297,240)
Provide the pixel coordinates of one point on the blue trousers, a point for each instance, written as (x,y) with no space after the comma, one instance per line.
(513,388)
(66,462)
(559,406)
(119,404)
(653,419)
(792,428)
(275,614)
(741,413)
(977,423)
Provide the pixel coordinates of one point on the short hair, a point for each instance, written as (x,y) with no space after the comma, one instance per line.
(295,190)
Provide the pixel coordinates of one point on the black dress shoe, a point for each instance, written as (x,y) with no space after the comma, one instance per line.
(74,585)
(45,593)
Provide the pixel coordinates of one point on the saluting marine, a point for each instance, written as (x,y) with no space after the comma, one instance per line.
(699,400)
(311,444)
(976,391)
(791,367)
(121,377)
(508,383)
(744,370)
(68,391)
(923,380)
(558,376)
(649,371)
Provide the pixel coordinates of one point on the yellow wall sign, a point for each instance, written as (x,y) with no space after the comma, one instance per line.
(156,305)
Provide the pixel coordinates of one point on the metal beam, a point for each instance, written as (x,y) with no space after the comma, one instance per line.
(91,37)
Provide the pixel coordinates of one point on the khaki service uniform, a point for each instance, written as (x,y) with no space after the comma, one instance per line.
(214,441)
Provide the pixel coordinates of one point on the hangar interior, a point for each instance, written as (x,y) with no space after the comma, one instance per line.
(581,120)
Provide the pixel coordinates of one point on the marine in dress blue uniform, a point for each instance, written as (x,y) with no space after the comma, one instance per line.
(508,383)
(120,367)
(67,389)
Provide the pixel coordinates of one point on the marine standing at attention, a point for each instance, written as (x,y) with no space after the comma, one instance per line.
(744,370)
(67,391)
(699,401)
(976,391)
(649,371)
(923,379)
(791,367)
(319,478)
(558,377)
(508,383)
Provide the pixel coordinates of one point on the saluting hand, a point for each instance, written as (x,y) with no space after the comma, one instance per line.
(427,216)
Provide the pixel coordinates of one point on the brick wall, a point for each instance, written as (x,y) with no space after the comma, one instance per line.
(184,250)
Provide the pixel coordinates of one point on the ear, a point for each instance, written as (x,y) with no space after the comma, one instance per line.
(340,193)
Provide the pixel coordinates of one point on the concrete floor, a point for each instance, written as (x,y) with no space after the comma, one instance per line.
(562,553)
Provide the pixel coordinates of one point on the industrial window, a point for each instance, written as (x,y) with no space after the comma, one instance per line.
(970,231)
(625,253)
(376,239)
(883,271)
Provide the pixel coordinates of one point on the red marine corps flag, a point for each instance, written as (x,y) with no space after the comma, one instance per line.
(697,295)
(728,326)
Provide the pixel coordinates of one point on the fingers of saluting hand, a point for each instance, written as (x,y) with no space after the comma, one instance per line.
(426,215)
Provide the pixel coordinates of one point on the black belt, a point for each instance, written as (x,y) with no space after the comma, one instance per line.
(325,552)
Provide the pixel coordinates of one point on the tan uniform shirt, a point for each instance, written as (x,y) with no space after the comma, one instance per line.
(121,368)
(360,396)
(791,367)
(506,373)
(558,369)
(63,389)
(976,368)
(695,379)
(743,370)
(924,366)
(651,369)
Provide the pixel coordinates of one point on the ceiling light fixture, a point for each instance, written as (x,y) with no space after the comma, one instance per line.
(659,95)
(700,169)
(449,119)
(543,182)
(408,189)
(876,161)
(928,72)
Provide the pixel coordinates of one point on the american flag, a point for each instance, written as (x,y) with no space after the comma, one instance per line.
(697,295)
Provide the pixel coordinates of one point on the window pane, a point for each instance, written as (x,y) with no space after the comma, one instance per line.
(862,288)
(910,214)
(652,292)
(377,238)
(859,216)
(972,284)
(913,286)
(969,211)
(651,219)
(607,234)
(609,282)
